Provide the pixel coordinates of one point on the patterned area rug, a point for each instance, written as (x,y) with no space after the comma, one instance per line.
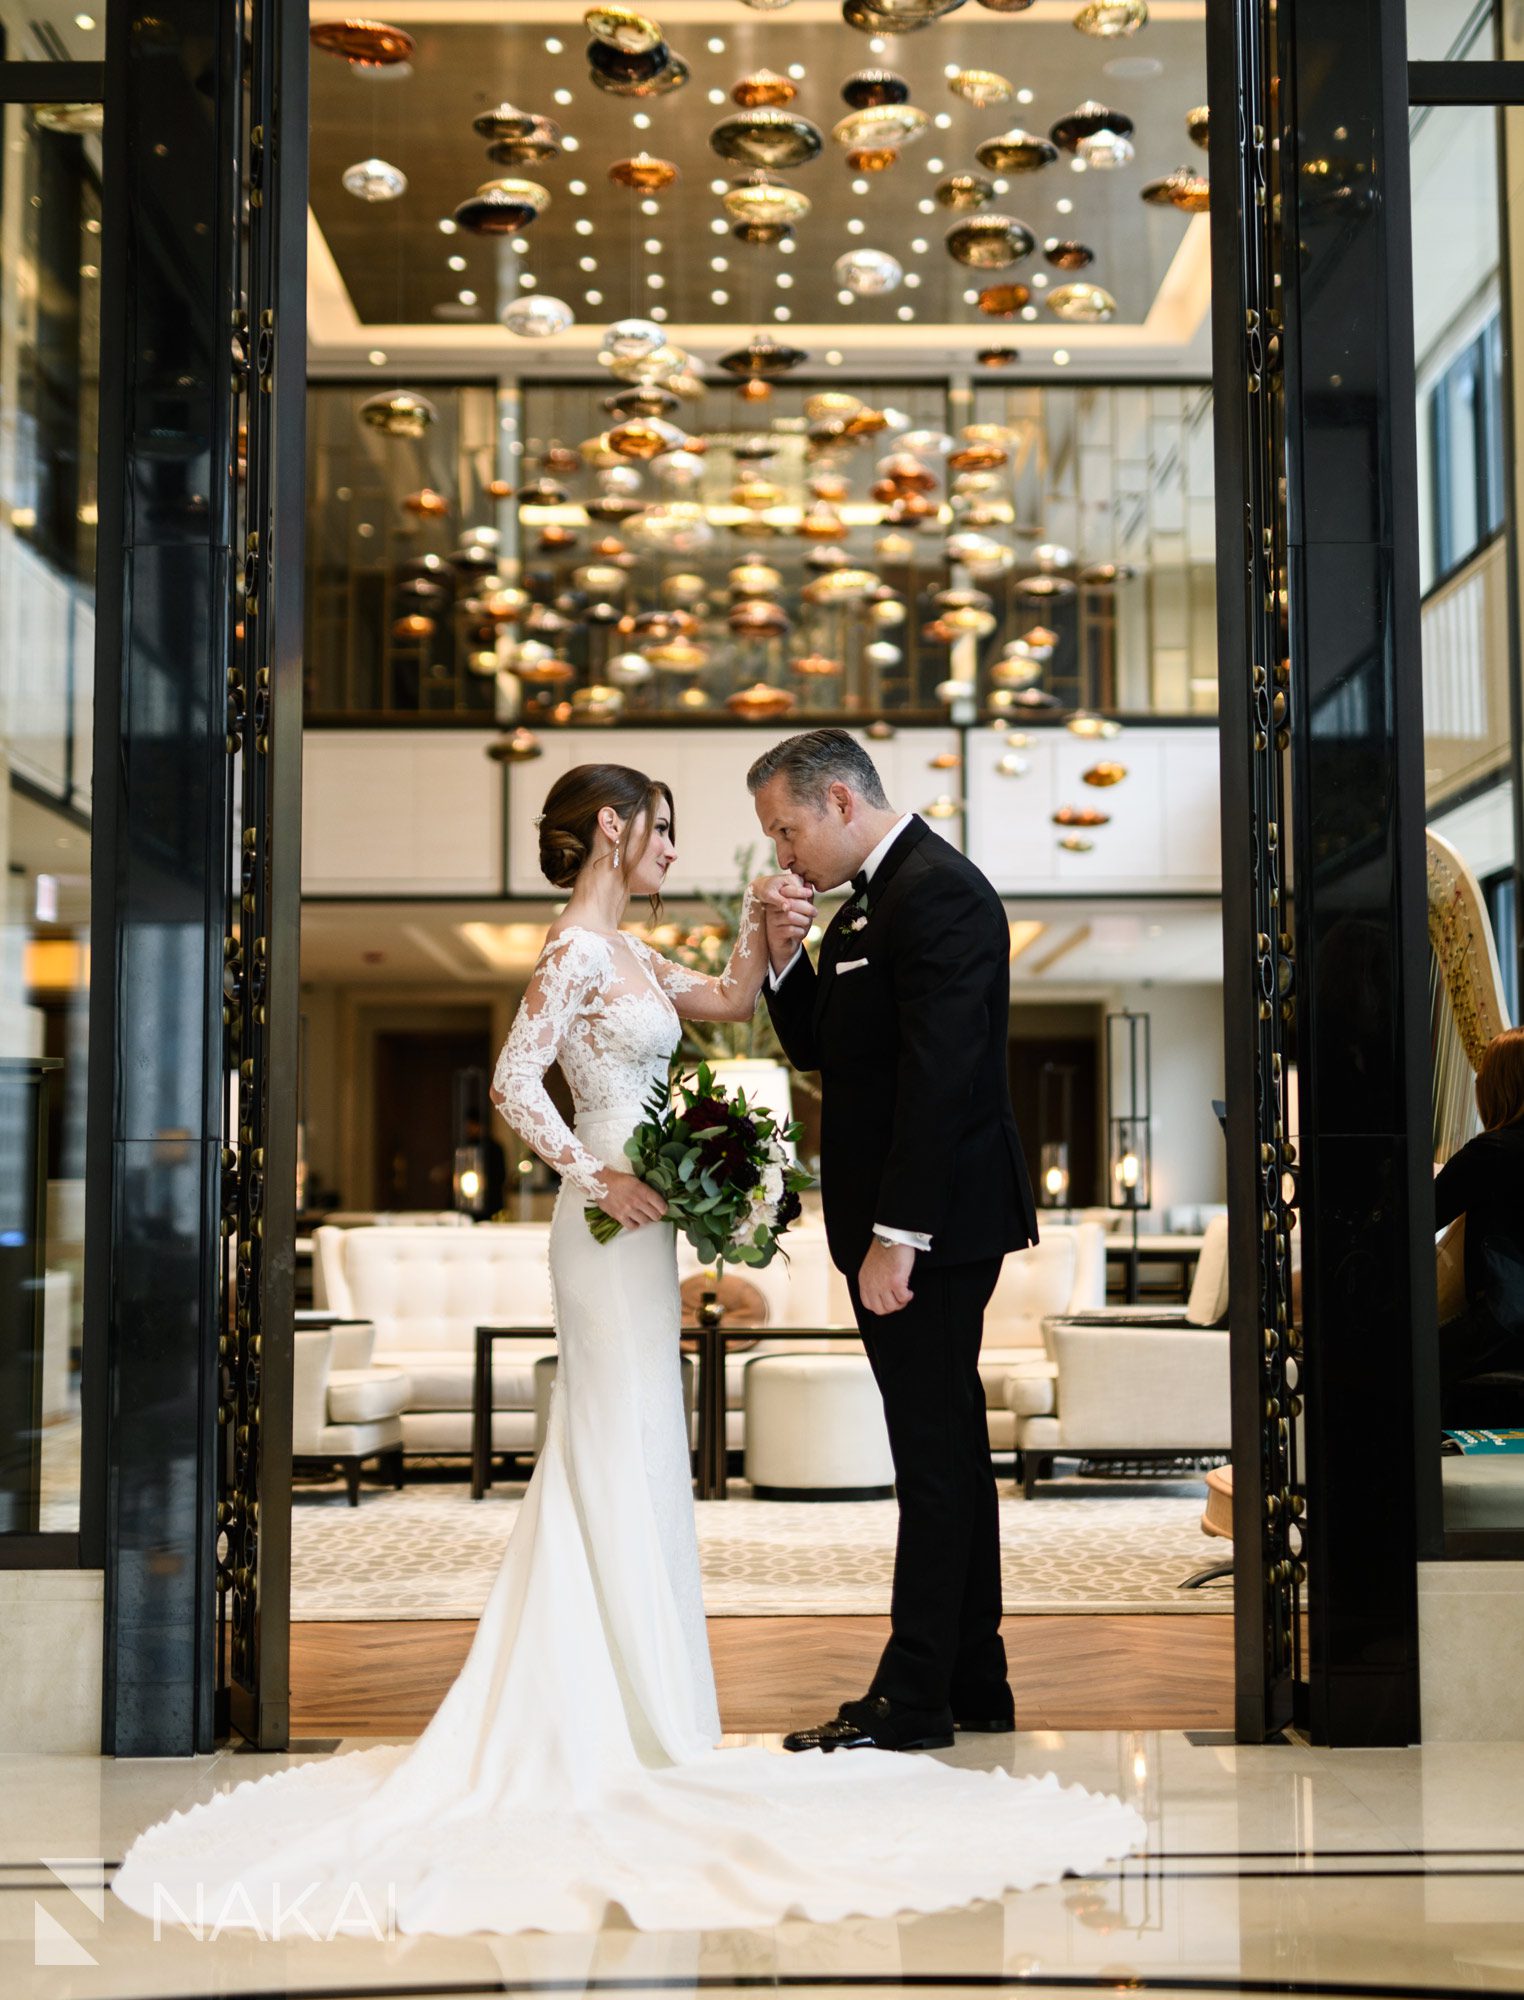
(432,1553)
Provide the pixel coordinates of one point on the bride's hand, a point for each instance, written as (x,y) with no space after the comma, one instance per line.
(788,905)
(630,1200)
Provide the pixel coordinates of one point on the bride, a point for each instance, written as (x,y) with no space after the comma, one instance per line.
(573,1764)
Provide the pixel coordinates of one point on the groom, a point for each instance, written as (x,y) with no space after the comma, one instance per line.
(925,1190)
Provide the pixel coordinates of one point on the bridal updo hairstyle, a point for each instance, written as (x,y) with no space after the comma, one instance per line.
(569,822)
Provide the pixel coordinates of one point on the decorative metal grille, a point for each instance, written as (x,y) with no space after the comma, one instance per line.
(1269,1496)
(254,1347)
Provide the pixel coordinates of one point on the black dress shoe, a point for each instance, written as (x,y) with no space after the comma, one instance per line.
(989,1711)
(1000,1725)
(876,1723)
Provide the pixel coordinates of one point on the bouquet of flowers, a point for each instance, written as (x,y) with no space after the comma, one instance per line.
(724,1170)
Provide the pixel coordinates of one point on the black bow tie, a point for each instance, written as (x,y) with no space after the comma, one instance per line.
(859,881)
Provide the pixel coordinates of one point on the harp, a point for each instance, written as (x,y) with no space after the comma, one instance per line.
(1466,1006)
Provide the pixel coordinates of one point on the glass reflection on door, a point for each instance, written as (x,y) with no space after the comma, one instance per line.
(50,245)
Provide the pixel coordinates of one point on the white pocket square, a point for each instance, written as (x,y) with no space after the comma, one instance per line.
(851,964)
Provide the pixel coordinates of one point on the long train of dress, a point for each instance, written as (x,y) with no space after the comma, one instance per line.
(573,1763)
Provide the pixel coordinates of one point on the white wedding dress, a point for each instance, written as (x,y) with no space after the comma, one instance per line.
(573,1763)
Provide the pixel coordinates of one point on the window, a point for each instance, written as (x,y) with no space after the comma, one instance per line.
(1466,450)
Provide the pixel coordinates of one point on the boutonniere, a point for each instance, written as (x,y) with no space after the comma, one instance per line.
(863,910)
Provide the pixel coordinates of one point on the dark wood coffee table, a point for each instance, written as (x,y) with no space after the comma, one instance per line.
(711,1343)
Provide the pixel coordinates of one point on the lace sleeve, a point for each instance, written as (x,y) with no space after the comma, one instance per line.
(732,996)
(570,971)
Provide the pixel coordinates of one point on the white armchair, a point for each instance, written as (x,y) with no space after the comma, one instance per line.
(1065,1272)
(1130,1382)
(344,1411)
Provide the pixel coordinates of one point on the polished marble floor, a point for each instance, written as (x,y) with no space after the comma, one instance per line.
(1280,1869)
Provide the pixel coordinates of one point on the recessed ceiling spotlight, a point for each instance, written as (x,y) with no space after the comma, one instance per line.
(878,45)
(933,166)
(1060,357)
(593,298)
(781,312)
(907,312)
(552,46)
(457,263)
(448,225)
(528,280)
(718,187)
(719,226)
(833,357)
(641,121)
(859,187)
(656,281)
(950,69)
(576,187)
(1077,165)
(918,245)
(562,96)
(520,246)
(467,297)
(377,358)
(649,207)
(1065,207)
(942,120)
(719,263)
(1133,69)
(845,298)
(715,46)
(1002,187)
(84,22)
(716,97)
(787,246)
(912,279)
(588,263)
(1029,312)
(1039,279)
(970,298)
(927,207)
(653,246)
(719,298)
(570,143)
(785,281)
(582,226)
(855,226)
(796,71)
(1024,97)
(658,312)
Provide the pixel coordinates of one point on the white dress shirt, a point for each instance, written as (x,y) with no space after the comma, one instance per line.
(915,1238)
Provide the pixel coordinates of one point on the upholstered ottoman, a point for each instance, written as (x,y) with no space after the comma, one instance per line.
(815,1429)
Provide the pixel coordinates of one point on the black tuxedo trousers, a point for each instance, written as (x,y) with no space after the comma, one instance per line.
(907,1021)
(944,1644)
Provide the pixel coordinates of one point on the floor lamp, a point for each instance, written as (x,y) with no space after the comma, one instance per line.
(1055,1129)
(1129,1122)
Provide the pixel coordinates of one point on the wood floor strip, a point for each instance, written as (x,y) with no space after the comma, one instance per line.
(387,1678)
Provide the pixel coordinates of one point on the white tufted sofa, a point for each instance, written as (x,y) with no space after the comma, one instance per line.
(426,1289)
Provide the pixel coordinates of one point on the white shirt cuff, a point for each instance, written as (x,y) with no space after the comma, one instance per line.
(917,1239)
(776,979)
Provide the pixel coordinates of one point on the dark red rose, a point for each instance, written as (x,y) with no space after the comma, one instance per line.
(704,1112)
(789,1209)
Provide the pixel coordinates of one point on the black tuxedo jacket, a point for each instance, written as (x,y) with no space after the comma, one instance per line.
(906,1018)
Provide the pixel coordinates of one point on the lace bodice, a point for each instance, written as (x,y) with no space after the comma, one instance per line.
(604,1007)
(592,1007)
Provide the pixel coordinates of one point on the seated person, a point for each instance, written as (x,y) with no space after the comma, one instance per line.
(1481,1350)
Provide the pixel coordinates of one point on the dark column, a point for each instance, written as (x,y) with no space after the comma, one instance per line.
(1361,924)
(173,80)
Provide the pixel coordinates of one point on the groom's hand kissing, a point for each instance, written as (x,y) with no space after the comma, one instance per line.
(789,908)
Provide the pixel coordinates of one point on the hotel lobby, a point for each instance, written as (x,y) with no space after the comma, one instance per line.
(1105,415)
